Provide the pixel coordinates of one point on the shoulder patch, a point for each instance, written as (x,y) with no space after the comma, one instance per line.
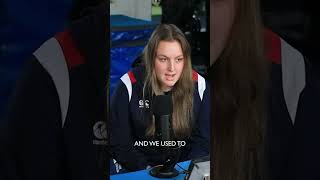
(132,78)
(201,83)
(293,77)
(50,56)
(72,54)
(272,46)
(195,75)
(127,82)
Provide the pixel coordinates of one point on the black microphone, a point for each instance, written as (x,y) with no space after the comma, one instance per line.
(162,110)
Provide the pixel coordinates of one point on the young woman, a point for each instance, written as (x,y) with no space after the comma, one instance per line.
(166,70)
(256,99)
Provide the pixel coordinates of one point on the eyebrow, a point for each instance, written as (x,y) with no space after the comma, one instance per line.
(168,57)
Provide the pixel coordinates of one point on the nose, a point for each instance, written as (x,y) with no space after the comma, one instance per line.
(171,65)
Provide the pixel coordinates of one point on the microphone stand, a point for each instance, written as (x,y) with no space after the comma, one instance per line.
(167,170)
(162,106)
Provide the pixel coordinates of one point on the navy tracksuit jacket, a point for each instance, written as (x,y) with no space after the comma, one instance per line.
(130,116)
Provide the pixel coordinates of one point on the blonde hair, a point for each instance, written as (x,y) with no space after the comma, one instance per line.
(182,92)
(239,97)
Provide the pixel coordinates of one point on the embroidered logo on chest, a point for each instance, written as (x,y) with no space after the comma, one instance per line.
(144,104)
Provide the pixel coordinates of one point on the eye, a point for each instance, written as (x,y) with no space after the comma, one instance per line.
(162,59)
(179,60)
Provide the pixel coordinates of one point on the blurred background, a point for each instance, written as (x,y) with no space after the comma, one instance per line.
(25,25)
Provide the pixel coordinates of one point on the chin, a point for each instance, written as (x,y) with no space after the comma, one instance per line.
(168,83)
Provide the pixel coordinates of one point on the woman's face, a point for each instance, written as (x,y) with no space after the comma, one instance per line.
(221,19)
(169,64)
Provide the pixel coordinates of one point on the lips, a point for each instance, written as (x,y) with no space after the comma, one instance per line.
(169,77)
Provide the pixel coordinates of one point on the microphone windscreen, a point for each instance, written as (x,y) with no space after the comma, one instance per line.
(162,105)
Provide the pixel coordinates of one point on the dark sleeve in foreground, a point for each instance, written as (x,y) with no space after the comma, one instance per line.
(32,136)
